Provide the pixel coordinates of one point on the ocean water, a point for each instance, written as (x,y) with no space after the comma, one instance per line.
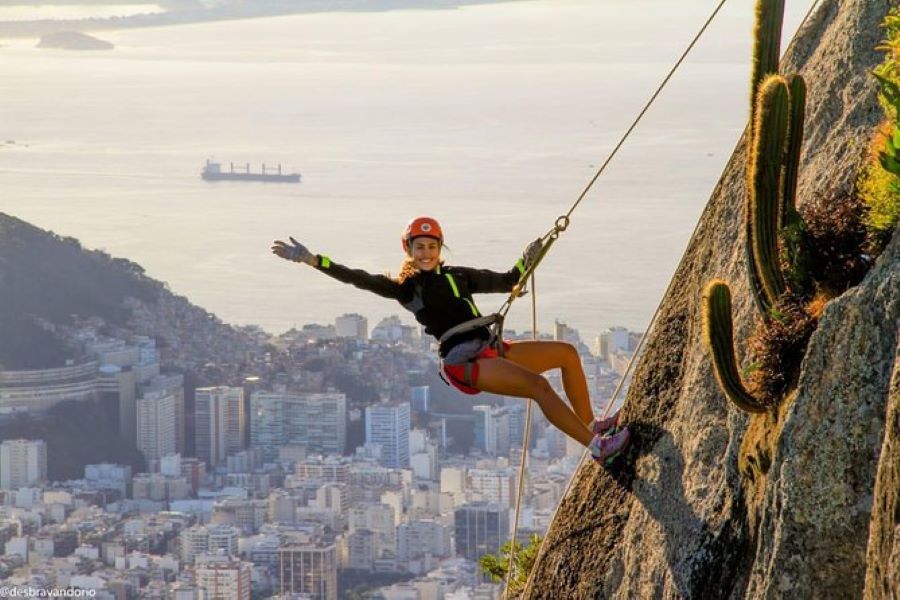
(491,118)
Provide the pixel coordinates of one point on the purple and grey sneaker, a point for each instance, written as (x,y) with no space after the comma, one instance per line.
(602,426)
(605,449)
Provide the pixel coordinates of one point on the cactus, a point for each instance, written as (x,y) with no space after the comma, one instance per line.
(766,54)
(719,339)
(778,107)
(764,214)
(766,44)
(797,88)
(756,286)
(795,262)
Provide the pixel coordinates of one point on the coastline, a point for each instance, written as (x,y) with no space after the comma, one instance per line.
(262,9)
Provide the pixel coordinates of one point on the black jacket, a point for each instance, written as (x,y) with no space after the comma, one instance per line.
(439,299)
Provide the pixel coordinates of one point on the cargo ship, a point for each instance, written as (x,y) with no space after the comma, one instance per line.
(213,172)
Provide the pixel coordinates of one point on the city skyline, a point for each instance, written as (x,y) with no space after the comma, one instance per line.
(385,498)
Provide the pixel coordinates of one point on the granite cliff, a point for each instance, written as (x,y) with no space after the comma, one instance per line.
(713,503)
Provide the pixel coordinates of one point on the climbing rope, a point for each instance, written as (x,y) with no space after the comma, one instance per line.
(653,319)
(547,241)
(510,567)
(562,222)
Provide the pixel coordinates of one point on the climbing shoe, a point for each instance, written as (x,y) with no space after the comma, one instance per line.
(603,426)
(605,449)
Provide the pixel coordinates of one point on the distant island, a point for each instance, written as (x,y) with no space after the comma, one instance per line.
(73,40)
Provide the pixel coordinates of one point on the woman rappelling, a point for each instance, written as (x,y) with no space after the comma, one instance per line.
(440,298)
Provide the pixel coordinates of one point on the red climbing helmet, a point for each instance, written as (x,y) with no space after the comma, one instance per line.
(421,227)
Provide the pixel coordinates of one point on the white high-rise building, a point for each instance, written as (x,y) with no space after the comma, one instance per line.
(308,567)
(493,429)
(156,425)
(174,385)
(223,539)
(224,579)
(420,396)
(564,333)
(219,423)
(352,326)
(171,465)
(611,341)
(389,329)
(453,480)
(387,424)
(423,456)
(22,463)
(326,417)
(194,542)
(501,424)
(213,539)
(420,538)
(360,549)
(316,421)
(485,431)
(497,486)
(267,422)
(379,519)
(516,414)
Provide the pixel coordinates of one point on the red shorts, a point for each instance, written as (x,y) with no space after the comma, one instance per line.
(464,376)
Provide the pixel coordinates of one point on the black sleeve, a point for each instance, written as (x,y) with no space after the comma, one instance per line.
(379,284)
(484,281)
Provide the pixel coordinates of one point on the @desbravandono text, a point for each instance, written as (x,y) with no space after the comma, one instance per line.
(35,592)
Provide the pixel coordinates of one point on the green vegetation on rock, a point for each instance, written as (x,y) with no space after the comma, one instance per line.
(523,558)
(879,183)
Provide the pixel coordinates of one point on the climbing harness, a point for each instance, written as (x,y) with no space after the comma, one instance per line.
(494,322)
(476,323)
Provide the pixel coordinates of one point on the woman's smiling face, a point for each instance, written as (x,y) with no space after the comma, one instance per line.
(426,253)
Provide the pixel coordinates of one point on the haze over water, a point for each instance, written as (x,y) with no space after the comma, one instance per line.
(491,118)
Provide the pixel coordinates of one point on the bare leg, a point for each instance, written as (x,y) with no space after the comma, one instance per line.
(541,356)
(501,376)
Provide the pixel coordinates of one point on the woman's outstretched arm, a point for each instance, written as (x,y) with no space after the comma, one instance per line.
(378,284)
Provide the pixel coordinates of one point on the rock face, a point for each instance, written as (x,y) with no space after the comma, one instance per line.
(883,557)
(818,502)
(678,519)
(73,40)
